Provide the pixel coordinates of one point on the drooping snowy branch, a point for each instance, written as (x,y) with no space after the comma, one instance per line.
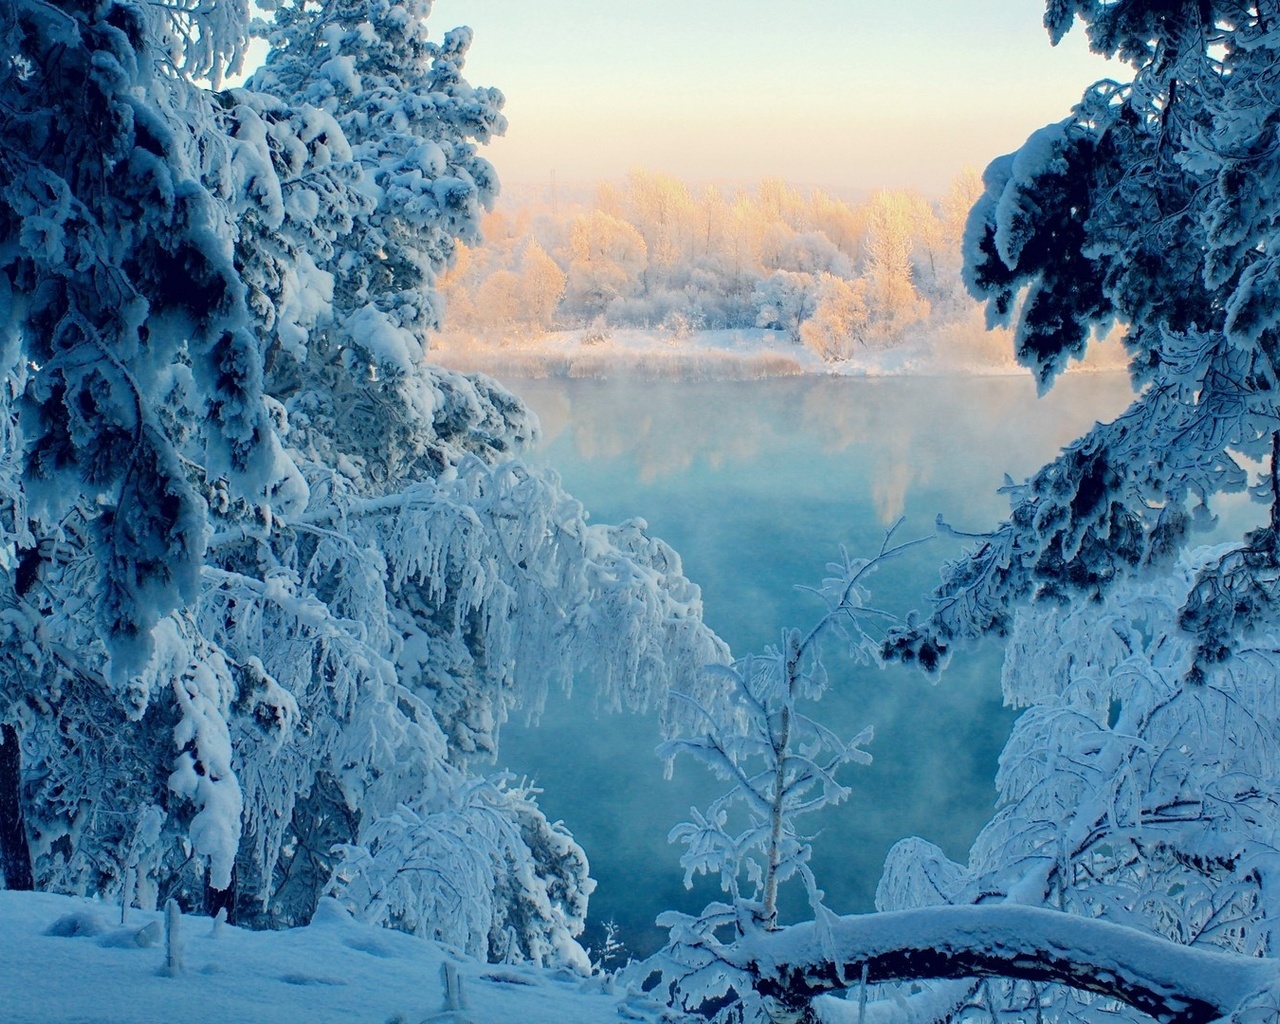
(1153,205)
(263,567)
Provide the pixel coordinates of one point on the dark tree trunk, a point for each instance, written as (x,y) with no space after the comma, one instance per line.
(222,899)
(15,854)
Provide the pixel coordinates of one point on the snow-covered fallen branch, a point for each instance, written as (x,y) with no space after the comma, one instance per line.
(1170,982)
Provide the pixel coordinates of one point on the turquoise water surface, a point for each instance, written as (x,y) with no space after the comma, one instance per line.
(757,484)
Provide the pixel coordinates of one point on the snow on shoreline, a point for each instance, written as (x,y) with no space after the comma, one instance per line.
(335,971)
(731,355)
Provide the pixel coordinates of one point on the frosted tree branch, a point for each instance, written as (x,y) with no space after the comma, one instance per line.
(1172,983)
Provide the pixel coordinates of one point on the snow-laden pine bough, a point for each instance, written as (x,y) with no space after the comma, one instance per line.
(1140,785)
(270,583)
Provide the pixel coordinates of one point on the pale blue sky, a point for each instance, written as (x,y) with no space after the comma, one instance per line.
(848,93)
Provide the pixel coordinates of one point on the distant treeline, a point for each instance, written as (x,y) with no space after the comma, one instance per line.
(651,253)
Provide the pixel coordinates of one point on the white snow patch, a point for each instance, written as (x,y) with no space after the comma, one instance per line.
(334,972)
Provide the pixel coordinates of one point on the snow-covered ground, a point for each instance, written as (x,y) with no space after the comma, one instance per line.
(734,355)
(69,961)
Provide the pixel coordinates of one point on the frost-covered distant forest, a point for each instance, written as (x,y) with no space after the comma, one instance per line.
(655,253)
(652,277)
(272,582)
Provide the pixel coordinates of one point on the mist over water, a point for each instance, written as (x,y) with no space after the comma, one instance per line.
(757,484)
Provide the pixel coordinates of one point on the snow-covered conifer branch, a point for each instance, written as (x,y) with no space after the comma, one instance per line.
(263,565)
(1152,205)
(1128,792)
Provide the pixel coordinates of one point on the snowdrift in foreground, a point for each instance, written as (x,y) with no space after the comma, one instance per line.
(734,355)
(66,959)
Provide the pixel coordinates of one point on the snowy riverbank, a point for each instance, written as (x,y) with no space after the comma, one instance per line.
(733,355)
(65,959)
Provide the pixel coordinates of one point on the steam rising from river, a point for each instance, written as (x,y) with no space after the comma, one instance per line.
(757,484)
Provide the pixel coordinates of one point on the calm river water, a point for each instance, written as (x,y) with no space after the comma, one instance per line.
(757,484)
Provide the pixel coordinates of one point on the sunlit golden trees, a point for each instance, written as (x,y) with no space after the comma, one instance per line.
(661,209)
(947,289)
(840,318)
(842,222)
(496,294)
(891,292)
(542,285)
(499,302)
(648,252)
(955,206)
(779,202)
(606,258)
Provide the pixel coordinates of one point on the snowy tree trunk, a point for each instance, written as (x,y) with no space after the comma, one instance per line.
(769,911)
(1275,491)
(15,854)
(128,893)
(1174,984)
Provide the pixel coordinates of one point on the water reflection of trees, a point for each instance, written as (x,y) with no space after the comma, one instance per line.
(754,500)
(898,433)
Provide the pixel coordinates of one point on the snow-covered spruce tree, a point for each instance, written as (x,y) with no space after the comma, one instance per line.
(1153,205)
(118,271)
(118,286)
(413,125)
(1128,793)
(1138,789)
(326,580)
(489,622)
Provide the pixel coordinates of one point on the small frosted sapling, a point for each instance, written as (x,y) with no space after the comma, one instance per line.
(455,1001)
(452,982)
(145,838)
(611,953)
(172,939)
(781,764)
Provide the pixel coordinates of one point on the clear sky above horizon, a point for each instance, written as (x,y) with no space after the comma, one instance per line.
(852,94)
